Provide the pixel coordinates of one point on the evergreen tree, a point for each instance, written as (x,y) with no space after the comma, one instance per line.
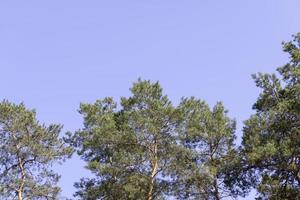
(148,149)
(206,138)
(27,151)
(130,150)
(271,140)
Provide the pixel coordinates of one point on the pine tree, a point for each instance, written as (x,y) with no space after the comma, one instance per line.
(27,151)
(206,137)
(130,149)
(271,141)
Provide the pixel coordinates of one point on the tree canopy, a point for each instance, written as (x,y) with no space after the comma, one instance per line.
(271,137)
(149,149)
(207,137)
(27,151)
(145,147)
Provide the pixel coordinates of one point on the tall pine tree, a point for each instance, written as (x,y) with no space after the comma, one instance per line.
(27,151)
(129,149)
(271,140)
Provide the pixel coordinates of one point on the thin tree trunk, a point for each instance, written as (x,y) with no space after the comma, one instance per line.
(154,166)
(217,195)
(23,175)
(213,149)
(20,195)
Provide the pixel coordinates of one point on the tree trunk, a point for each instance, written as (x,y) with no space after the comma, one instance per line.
(154,166)
(20,195)
(217,195)
(23,176)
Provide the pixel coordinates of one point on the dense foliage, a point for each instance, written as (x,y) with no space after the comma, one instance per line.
(271,141)
(27,151)
(129,150)
(207,138)
(151,149)
(144,147)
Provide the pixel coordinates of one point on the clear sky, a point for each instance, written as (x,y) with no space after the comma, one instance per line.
(56,54)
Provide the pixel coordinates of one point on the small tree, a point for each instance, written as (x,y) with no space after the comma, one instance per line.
(27,151)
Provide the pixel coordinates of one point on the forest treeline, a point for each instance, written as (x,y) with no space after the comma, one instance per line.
(146,148)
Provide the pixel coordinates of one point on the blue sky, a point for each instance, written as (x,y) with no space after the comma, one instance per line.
(56,54)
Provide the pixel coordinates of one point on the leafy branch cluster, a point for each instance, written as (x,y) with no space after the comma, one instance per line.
(147,148)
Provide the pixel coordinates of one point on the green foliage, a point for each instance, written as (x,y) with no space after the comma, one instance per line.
(148,149)
(207,137)
(130,149)
(27,151)
(271,138)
